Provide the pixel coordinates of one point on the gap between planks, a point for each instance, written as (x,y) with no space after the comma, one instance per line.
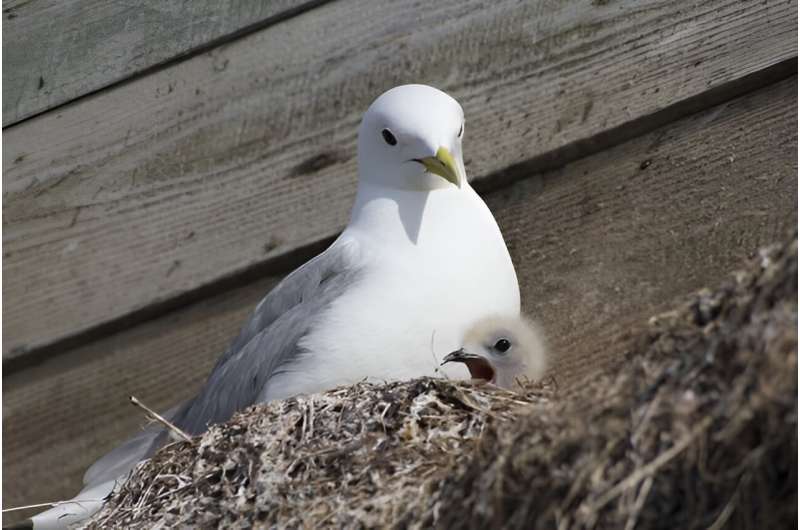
(188,54)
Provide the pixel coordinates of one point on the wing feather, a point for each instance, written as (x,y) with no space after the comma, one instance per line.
(267,342)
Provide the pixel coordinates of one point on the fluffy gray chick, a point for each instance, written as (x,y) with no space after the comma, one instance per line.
(501,350)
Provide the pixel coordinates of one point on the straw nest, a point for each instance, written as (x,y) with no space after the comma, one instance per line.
(697,428)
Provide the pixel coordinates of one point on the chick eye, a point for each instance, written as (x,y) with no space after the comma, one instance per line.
(461,130)
(502,345)
(388,137)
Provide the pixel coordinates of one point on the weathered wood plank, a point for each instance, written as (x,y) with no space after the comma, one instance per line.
(210,167)
(56,50)
(599,246)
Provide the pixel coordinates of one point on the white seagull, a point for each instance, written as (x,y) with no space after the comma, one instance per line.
(421,259)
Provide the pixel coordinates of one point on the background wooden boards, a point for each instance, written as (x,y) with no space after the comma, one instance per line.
(599,245)
(138,197)
(58,50)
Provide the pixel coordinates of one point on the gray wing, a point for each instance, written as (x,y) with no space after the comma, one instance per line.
(266,345)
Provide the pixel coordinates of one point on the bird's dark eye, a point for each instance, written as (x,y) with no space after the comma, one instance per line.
(461,130)
(502,345)
(389,137)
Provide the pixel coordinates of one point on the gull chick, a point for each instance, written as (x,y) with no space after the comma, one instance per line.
(501,349)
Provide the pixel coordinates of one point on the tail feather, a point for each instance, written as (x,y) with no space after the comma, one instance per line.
(83,506)
(122,459)
(100,479)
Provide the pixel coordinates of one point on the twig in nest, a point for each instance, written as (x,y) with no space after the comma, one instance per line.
(639,503)
(436,366)
(48,504)
(161,419)
(728,510)
(651,468)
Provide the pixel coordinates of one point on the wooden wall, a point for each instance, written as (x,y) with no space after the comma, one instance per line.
(165,166)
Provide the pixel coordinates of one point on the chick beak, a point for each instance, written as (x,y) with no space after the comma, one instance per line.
(444,165)
(479,367)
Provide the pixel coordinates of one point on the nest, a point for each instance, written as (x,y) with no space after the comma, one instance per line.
(696,429)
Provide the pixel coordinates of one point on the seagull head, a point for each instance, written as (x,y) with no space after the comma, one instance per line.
(410,139)
(501,349)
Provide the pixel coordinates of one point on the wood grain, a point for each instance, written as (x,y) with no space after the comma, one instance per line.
(599,246)
(609,240)
(139,195)
(57,50)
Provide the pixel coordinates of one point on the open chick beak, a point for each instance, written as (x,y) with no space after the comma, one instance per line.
(444,165)
(479,367)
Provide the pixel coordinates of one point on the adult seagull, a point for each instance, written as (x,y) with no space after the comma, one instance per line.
(421,260)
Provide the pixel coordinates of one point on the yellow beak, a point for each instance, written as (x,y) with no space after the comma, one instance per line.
(444,165)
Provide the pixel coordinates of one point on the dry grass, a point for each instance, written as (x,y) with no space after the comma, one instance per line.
(697,429)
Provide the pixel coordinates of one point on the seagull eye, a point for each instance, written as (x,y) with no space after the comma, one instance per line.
(461,130)
(388,137)
(502,345)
